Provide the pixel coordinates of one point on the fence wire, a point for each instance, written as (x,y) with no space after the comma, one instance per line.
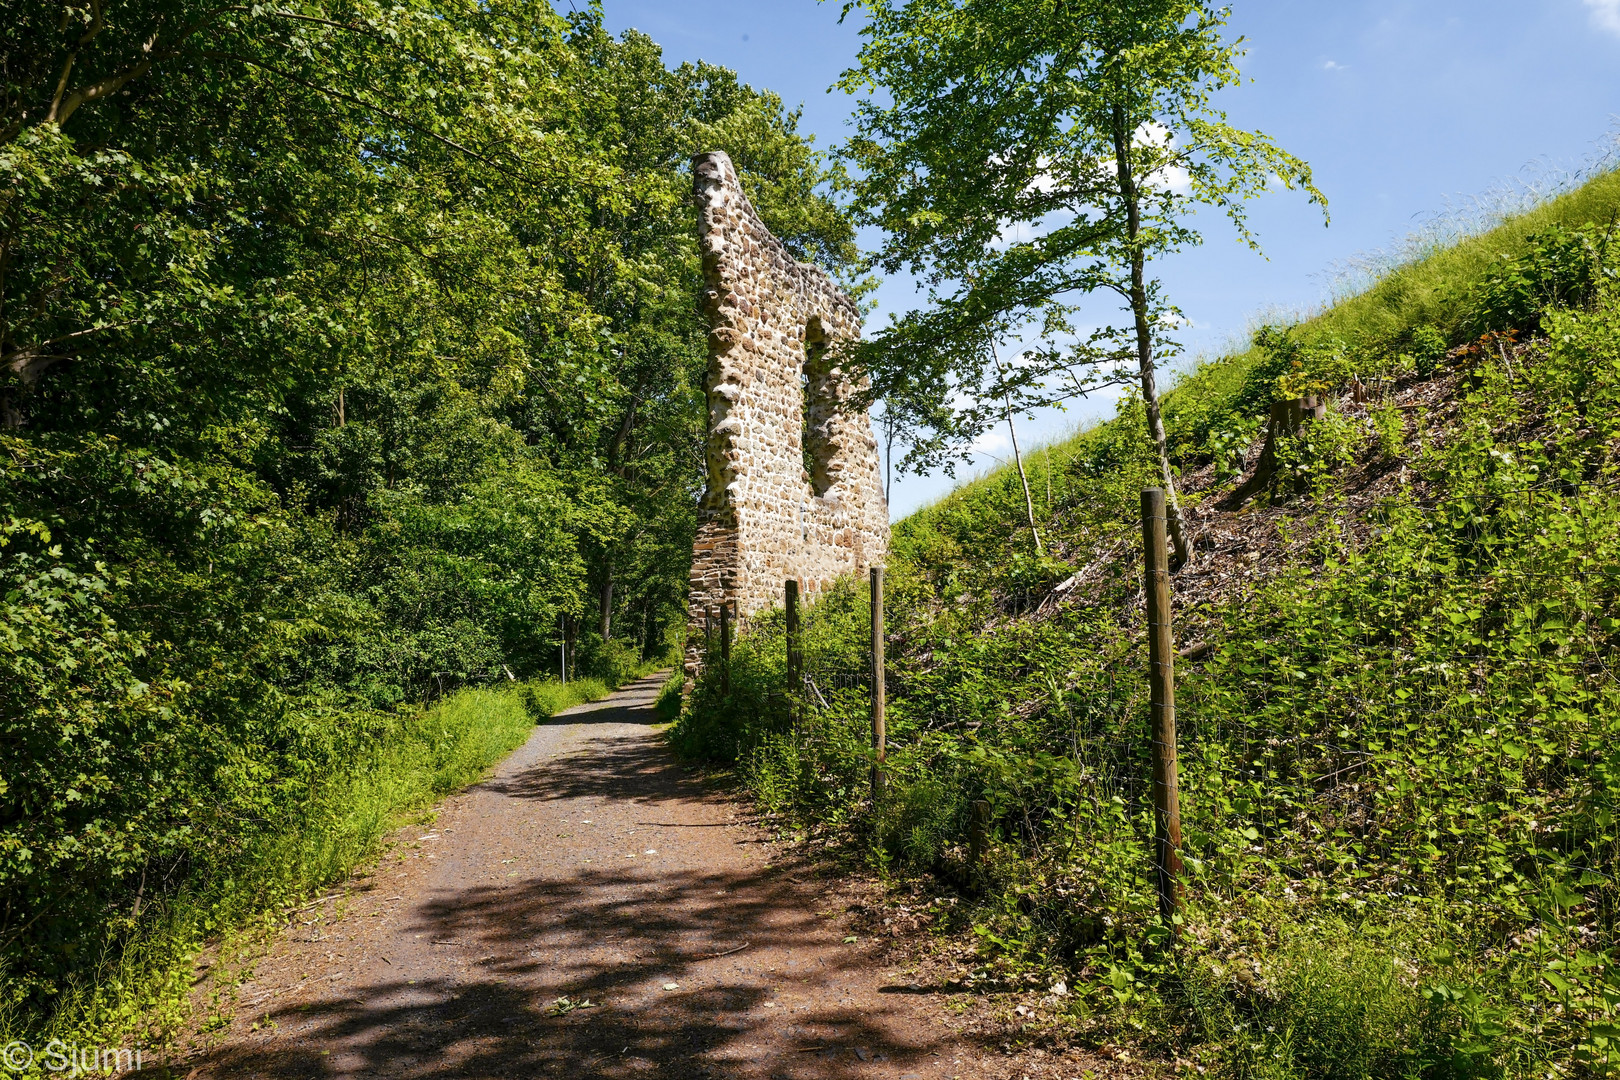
(1408,701)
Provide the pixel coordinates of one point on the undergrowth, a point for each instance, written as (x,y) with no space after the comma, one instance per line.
(1399,782)
(362,774)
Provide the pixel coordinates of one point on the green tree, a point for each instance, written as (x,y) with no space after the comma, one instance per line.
(345,349)
(643,280)
(1021,155)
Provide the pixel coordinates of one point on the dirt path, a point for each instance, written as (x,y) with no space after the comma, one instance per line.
(591,867)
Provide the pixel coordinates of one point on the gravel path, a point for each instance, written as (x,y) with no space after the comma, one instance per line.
(590,867)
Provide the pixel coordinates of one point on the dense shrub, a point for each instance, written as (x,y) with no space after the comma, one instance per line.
(1560,267)
(1399,793)
(294,803)
(312,416)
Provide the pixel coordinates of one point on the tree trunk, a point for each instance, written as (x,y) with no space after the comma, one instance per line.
(606,624)
(1018,460)
(1029,503)
(888,455)
(1144,336)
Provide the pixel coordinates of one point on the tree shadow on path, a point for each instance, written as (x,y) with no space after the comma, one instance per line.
(708,965)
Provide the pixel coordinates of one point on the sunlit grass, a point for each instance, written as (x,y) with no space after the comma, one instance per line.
(141,983)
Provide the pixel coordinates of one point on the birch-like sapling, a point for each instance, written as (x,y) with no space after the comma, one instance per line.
(1024,155)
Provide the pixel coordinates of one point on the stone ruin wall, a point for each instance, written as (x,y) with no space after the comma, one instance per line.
(775,325)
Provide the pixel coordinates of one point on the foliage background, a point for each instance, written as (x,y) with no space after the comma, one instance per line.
(350,356)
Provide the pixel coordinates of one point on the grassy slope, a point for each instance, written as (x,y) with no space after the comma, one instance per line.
(1432,290)
(1395,763)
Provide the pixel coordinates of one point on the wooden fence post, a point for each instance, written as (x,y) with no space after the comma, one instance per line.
(795,657)
(725,649)
(1162,684)
(879,733)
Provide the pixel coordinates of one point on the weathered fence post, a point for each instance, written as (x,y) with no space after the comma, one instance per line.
(725,649)
(879,734)
(795,657)
(1162,685)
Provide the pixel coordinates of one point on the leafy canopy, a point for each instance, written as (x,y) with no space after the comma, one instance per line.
(348,352)
(1020,156)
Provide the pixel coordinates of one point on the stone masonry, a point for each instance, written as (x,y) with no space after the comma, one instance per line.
(793,486)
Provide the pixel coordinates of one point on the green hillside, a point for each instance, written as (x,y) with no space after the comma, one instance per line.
(1397,717)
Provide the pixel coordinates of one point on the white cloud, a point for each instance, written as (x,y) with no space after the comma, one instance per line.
(1044,181)
(1014,232)
(993,441)
(1334,65)
(1606,14)
(1175,177)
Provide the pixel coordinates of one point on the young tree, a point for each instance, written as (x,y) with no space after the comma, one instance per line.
(1021,155)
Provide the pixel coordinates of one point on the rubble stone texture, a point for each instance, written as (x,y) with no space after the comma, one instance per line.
(793,488)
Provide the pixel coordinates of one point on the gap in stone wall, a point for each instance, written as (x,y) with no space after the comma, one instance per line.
(820,407)
(793,490)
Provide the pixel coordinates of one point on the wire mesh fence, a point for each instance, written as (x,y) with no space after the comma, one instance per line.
(1389,706)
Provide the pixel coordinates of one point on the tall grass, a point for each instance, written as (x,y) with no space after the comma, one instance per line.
(550,698)
(329,824)
(1429,290)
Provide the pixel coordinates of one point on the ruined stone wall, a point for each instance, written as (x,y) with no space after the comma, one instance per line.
(775,325)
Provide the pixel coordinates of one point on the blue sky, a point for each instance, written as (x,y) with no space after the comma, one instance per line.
(1403,109)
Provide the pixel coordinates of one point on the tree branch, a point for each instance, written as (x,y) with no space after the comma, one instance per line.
(62,109)
(31,361)
(98,90)
(73,54)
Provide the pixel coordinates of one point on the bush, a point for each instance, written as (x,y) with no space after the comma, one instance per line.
(1561,267)
(917,819)
(1328,1004)
(309,826)
(548,698)
(1423,349)
(614,662)
(1398,784)
(667,707)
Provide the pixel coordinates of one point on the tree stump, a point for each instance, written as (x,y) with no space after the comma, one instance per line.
(1286,418)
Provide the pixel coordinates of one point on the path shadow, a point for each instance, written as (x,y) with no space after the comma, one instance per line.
(632,704)
(637,767)
(499,956)
(614,938)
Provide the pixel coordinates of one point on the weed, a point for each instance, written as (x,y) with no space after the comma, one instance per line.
(1400,795)
(1389,430)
